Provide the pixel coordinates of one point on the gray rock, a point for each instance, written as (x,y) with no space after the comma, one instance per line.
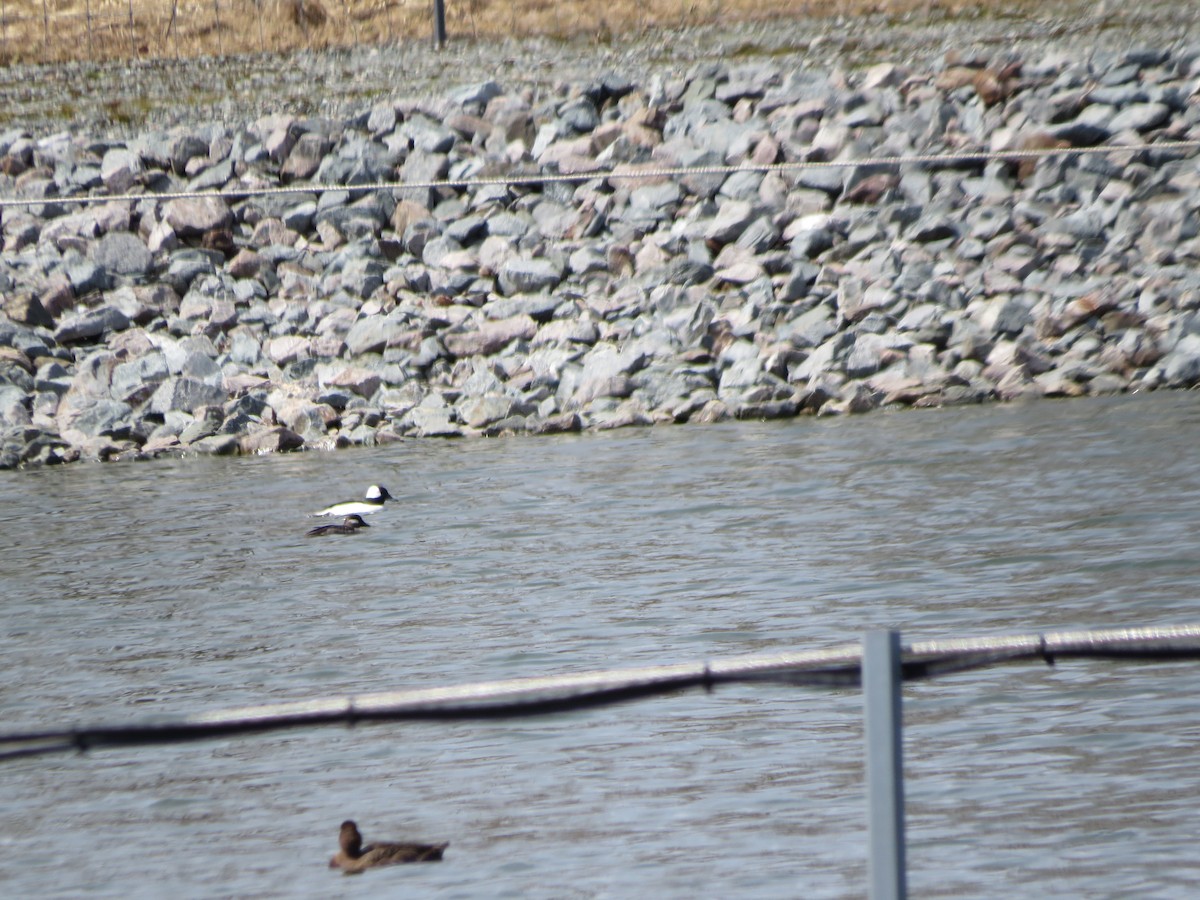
(608,361)
(213,177)
(374,333)
(467,230)
(136,380)
(477,94)
(933,227)
(659,197)
(305,156)
(90,324)
(427,135)
(382,119)
(867,355)
(104,418)
(731,220)
(362,277)
(527,276)
(740,377)
(579,115)
(759,236)
(811,243)
(85,277)
(810,328)
(509,225)
(686,271)
(828,180)
(228,445)
(120,169)
(14,407)
(562,331)
(1181,367)
(288,348)
(354,223)
(184,394)
(482,411)
(205,423)
(299,217)
(539,307)
(420,168)
(1082,132)
(560,423)
(302,416)
(122,253)
(1140,117)
(434,421)
(1005,316)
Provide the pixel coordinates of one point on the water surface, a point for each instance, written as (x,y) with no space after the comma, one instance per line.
(133,591)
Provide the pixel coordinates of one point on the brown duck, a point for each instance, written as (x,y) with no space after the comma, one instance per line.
(354,857)
(350,525)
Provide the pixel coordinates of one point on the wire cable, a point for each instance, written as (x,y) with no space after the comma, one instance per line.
(626,171)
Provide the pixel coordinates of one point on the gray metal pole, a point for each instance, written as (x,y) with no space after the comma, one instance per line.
(885,764)
(439,24)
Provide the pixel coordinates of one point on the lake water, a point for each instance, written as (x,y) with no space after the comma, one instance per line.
(136,591)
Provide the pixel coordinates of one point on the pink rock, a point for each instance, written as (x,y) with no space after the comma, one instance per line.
(194,216)
(245,264)
(288,349)
(490,337)
(273,440)
(358,380)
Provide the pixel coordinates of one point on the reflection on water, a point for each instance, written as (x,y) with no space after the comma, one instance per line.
(160,589)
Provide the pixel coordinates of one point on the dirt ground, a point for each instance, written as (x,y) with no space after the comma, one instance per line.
(156,88)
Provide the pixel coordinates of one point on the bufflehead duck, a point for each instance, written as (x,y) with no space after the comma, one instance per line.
(349,525)
(373,502)
(353,857)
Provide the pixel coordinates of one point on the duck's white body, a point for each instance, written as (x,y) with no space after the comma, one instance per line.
(373,502)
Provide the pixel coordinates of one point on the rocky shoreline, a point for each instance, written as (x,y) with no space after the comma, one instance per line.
(340,316)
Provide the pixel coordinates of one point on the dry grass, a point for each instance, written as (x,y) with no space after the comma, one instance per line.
(58,30)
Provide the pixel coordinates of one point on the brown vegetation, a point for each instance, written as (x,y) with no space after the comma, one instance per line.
(57,30)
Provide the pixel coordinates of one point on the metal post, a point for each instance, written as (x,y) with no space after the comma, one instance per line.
(885,768)
(439,24)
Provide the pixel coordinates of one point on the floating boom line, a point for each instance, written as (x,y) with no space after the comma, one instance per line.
(838,667)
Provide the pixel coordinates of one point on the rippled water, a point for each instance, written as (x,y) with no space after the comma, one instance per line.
(132,591)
